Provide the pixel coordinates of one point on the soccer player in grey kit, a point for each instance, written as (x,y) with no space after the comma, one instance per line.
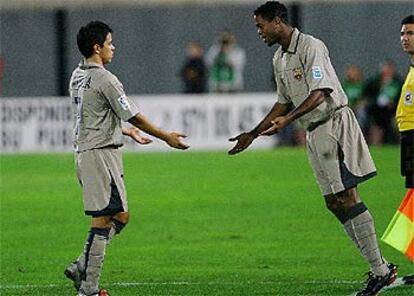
(99,105)
(309,91)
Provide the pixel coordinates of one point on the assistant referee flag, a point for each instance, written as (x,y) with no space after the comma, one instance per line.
(400,232)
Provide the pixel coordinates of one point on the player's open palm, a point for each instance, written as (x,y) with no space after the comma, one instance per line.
(243,141)
(175,140)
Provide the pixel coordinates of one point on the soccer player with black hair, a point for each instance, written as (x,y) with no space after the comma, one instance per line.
(99,105)
(308,90)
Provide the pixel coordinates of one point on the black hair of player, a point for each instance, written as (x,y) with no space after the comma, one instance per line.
(93,33)
(272,9)
(408,20)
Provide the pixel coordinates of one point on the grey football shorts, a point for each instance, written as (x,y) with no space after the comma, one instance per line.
(100,173)
(338,153)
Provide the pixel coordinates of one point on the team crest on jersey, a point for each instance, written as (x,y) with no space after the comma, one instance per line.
(408,99)
(123,101)
(297,73)
(317,72)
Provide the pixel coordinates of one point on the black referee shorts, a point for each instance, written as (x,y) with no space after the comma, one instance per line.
(407,157)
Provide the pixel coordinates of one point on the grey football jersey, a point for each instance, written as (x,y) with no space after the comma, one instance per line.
(99,104)
(305,67)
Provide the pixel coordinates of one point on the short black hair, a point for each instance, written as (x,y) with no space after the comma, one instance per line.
(93,33)
(408,20)
(272,9)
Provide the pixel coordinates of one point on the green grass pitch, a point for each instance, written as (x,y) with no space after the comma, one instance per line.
(202,223)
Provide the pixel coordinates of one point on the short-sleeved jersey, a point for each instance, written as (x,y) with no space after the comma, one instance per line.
(405,109)
(305,67)
(99,104)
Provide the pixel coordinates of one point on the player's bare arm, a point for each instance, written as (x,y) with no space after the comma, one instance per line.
(173,139)
(135,134)
(314,99)
(245,139)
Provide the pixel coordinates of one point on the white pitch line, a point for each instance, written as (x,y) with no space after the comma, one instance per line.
(29,286)
(179,283)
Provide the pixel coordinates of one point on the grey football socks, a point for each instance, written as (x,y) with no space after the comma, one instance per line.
(94,257)
(360,228)
(349,228)
(115,229)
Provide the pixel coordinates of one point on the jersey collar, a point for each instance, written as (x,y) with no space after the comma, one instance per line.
(294,41)
(85,65)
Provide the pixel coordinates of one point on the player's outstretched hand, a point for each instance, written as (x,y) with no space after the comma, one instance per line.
(243,141)
(174,140)
(135,134)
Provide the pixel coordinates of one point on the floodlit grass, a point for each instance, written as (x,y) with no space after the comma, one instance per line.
(201,224)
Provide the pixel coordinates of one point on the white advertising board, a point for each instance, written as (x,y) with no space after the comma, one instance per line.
(45,124)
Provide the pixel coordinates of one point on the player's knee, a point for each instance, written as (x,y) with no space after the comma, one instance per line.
(332,203)
(101,222)
(119,221)
(342,201)
(118,225)
(348,199)
(122,217)
(335,207)
(345,205)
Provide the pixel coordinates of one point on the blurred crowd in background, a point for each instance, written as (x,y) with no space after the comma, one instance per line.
(220,70)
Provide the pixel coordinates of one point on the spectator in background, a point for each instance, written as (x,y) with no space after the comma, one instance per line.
(354,86)
(383,92)
(194,71)
(226,61)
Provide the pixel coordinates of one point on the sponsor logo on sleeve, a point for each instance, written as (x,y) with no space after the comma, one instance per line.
(317,72)
(123,101)
(408,99)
